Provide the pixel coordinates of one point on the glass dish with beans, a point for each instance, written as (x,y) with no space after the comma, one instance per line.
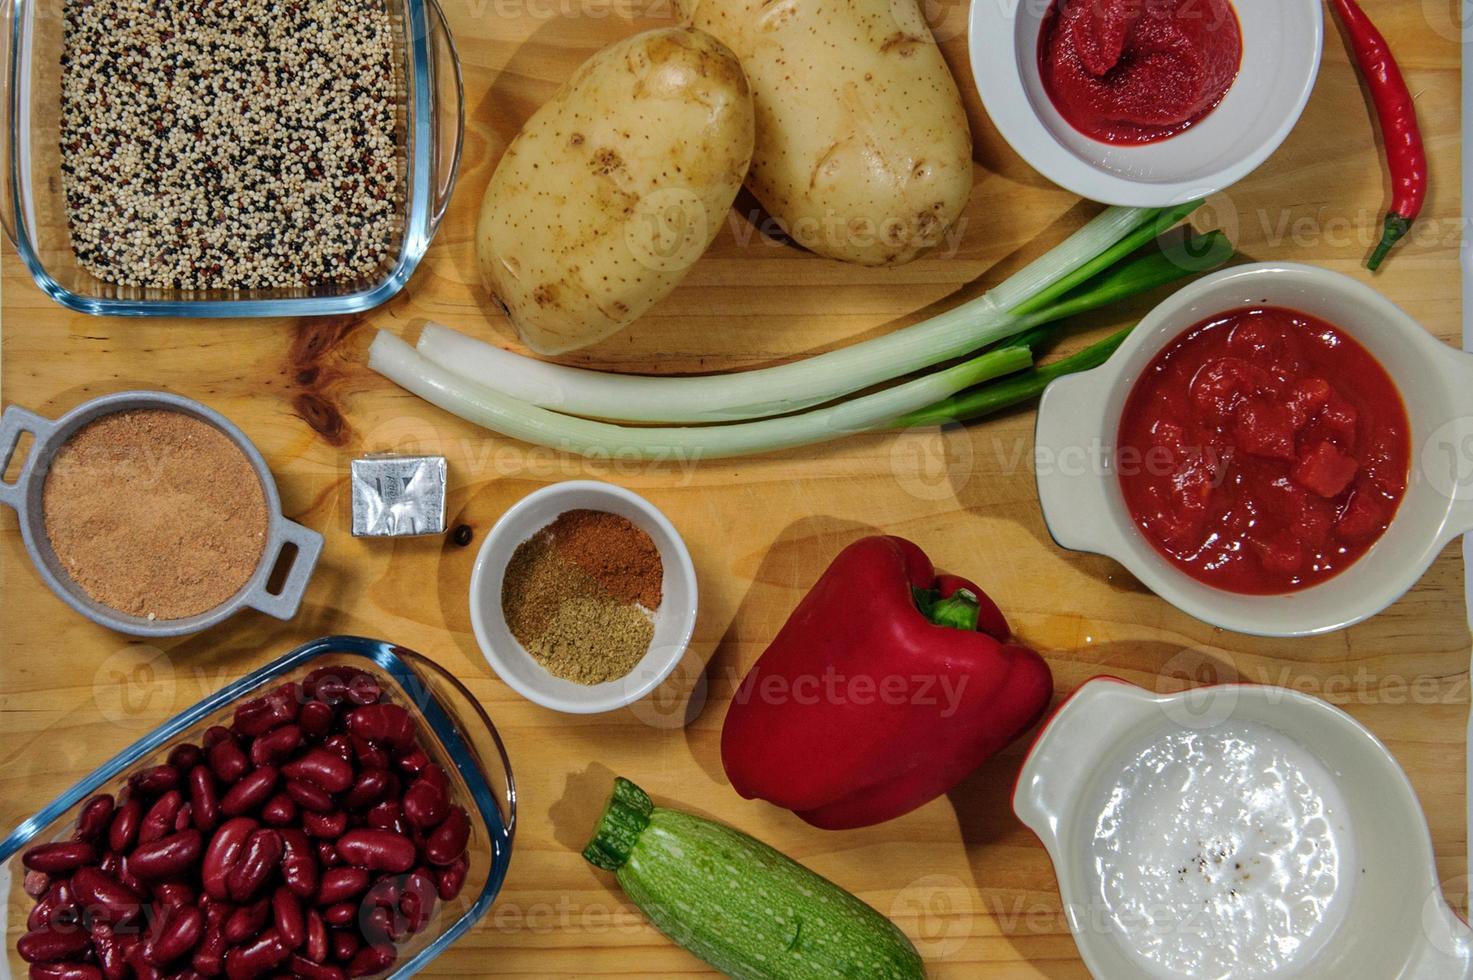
(346,811)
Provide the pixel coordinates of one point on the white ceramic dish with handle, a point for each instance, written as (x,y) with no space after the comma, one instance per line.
(675,620)
(1395,924)
(1282,44)
(1078,425)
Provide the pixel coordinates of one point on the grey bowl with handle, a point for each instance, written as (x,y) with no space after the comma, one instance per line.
(24,496)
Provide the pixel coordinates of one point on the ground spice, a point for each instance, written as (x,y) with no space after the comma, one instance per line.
(155,513)
(580,596)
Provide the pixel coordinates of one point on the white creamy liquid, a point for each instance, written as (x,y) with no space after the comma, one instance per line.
(1222,854)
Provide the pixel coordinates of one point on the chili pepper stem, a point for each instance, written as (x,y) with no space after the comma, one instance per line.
(959,611)
(1396,229)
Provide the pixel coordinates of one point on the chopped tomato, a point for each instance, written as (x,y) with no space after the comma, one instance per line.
(1265,428)
(1325,470)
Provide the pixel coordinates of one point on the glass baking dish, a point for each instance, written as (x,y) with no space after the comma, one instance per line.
(456,732)
(431,114)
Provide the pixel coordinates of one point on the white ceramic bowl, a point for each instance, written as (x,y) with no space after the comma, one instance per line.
(1282,44)
(1396,924)
(674,622)
(1078,424)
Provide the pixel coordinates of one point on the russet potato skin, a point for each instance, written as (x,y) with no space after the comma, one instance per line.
(863,149)
(615,187)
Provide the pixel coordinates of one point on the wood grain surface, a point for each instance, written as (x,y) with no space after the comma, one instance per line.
(961,876)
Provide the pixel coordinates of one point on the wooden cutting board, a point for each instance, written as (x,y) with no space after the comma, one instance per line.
(961,876)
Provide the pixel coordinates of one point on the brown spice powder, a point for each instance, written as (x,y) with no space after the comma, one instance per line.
(580,594)
(155,513)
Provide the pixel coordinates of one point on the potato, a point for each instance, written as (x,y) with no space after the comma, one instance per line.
(615,187)
(863,149)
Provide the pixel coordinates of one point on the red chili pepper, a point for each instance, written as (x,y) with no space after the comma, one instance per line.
(887,686)
(1406,155)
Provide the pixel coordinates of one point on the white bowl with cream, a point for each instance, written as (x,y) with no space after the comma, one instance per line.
(1282,44)
(1236,833)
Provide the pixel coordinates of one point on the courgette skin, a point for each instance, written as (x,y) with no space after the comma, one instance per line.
(748,910)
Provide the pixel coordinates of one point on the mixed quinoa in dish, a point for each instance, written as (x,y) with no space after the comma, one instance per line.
(244,145)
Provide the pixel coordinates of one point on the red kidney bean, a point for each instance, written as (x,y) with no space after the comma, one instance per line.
(130,878)
(224,853)
(185,756)
(315,719)
(341,914)
(287,915)
(309,796)
(328,826)
(377,850)
(123,832)
(250,792)
(64,971)
(417,902)
(156,780)
(279,811)
(275,745)
(175,935)
(36,883)
(102,897)
(452,879)
(364,689)
(259,716)
(246,921)
(344,944)
(95,816)
(426,802)
(112,952)
(58,898)
(209,956)
(167,857)
(60,857)
(341,884)
(204,798)
(388,724)
(298,863)
(159,820)
(367,789)
(308,970)
(228,761)
(340,744)
(414,761)
(322,768)
(257,862)
(184,818)
(369,756)
(52,945)
(138,962)
(372,959)
(447,842)
(257,957)
(327,854)
(383,926)
(170,894)
(316,948)
(215,735)
(385,816)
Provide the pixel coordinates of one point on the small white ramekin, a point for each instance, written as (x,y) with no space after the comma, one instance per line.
(1397,923)
(675,621)
(1078,427)
(1282,44)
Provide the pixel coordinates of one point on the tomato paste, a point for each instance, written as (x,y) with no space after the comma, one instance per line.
(1138,71)
(1263,451)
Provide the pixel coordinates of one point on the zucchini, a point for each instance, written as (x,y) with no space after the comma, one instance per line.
(741,906)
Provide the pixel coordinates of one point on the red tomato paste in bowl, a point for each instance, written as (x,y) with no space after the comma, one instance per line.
(1138,71)
(1263,451)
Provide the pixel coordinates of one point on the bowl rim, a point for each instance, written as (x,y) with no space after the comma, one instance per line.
(998,78)
(398,662)
(481,606)
(1057,423)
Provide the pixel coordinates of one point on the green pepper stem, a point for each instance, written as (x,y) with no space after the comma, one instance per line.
(958,611)
(1396,229)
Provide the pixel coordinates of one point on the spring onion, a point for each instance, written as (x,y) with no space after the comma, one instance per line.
(402,364)
(1023,301)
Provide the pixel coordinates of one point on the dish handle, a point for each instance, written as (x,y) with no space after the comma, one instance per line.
(1074,466)
(284,603)
(445,57)
(15,423)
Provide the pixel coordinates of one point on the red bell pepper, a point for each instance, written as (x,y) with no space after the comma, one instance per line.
(887,686)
